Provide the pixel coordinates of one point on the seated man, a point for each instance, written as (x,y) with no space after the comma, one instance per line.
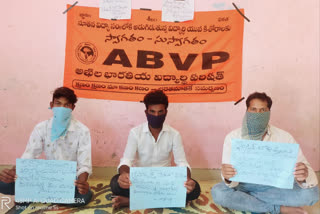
(60,138)
(153,142)
(261,198)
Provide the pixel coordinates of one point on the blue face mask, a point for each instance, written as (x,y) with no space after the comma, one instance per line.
(60,123)
(156,122)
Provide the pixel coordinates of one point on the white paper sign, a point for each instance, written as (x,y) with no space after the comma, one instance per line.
(115,9)
(177,10)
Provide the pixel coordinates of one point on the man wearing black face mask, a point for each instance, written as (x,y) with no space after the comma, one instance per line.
(153,143)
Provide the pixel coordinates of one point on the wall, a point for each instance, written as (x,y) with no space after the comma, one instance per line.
(280,57)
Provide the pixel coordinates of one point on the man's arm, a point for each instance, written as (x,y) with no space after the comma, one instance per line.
(82,184)
(180,160)
(8,175)
(178,152)
(124,169)
(129,153)
(34,147)
(33,150)
(84,164)
(304,174)
(190,184)
(188,173)
(124,178)
(127,160)
(227,171)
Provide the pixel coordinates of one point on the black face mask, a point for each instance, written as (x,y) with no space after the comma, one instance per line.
(156,121)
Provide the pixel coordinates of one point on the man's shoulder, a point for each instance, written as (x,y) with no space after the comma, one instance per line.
(78,126)
(169,128)
(276,129)
(139,128)
(279,132)
(42,124)
(236,133)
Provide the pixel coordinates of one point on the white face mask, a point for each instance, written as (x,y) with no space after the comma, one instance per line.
(60,123)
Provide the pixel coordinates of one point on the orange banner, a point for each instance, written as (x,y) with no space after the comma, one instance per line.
(195,61)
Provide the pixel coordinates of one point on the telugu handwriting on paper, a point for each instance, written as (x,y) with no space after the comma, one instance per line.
(177,10)
(157,187)
(266,163)
(45,181)
(115,9)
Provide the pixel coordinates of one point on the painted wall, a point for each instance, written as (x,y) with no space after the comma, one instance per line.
(280,57)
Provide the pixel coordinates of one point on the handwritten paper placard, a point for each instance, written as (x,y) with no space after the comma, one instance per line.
(177,10)
(115,9)
(45,181)
(157,187)
(262,162)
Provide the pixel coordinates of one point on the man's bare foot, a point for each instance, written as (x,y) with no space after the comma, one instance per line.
(120,201)
(292,210)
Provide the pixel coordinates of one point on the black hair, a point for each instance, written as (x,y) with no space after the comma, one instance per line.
(155,97)
(261,96)
(66,93)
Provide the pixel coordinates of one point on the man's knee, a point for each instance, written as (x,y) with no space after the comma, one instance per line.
(82,200)
(87,197)
(114,184)
(303,197)
(116,189)
(218,192)
(195,193)
(7,188)
(310,196)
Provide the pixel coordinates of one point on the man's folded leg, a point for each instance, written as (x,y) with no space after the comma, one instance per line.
(296,197)
(7,188)
(195,193)
(116,189)
(239,199)
(82,200)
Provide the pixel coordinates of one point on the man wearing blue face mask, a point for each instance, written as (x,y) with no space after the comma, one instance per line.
(153,142)
(60,138)
(261,198)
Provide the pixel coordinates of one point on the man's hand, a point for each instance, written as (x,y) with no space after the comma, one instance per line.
(228,171)
(124,180)
(301,172)
(8,175)
(190,185)
(82,184)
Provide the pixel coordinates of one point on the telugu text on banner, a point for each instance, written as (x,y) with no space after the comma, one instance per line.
(194,61)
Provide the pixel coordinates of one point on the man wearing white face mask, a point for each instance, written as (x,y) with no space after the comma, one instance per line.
(60,138)
(260,198)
